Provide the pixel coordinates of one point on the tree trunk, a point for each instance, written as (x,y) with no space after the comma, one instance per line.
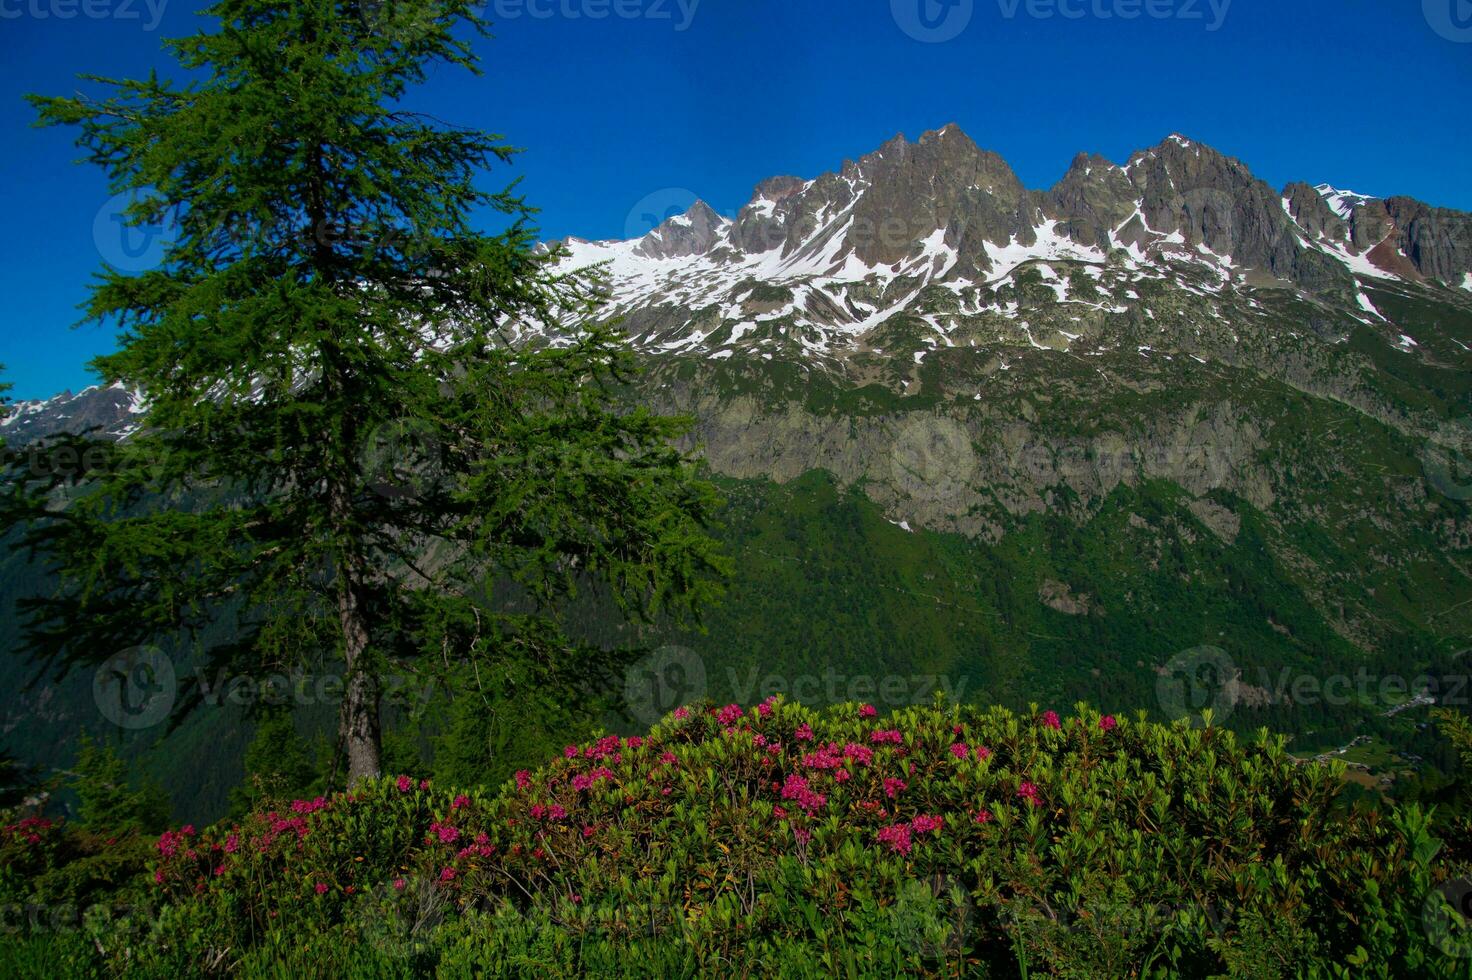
(358,722)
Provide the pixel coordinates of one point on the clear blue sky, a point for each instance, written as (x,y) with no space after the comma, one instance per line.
(1370,95)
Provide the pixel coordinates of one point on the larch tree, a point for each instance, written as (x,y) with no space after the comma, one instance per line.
(346,453)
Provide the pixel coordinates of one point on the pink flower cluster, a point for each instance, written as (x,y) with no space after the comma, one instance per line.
(1050,720)
(481,848)
(796,788)
(1030,793)
(867,711)
(31,829)
(891,736)
(729,715)
(445,832)
(1108,723)
(830,756)
(170,841)
(585,780)
(897,836)
(606,747)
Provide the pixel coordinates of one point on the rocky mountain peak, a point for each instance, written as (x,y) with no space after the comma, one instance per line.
(695,232)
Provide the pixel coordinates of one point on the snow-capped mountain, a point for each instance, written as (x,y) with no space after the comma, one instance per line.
(942,235)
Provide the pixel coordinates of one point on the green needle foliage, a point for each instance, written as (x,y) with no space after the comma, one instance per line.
(347,462)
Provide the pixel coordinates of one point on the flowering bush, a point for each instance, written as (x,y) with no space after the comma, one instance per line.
(944,839)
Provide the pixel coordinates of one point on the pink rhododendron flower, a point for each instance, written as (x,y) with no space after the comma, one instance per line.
(460,802)
(959,750)
(1050,720)
(1108,723)
(232,843)
(803,733)
(423,784)
(867,711)
(925,823)
(523,779)
(893,787)
(405,784)
(729,714)
(321,888)
(448,874)
(634,741)
(897,836)
(571,752)
(983,816)
(796,788)
(891,735)
(681,713)
(983,753)
(399,884)
(668,759)
(1030,793)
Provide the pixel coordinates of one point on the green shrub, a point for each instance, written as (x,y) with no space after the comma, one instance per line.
(938,841)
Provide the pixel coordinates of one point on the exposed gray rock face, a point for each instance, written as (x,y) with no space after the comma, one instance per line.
(944,181)
(1438,241)
(883,204)
(1215,201)
(1314,215)
(104,412)
(1093,199)
(695,232)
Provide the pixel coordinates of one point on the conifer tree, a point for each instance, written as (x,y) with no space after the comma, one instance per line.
(347,456)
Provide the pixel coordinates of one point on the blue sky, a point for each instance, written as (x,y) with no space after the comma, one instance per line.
(627,116)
